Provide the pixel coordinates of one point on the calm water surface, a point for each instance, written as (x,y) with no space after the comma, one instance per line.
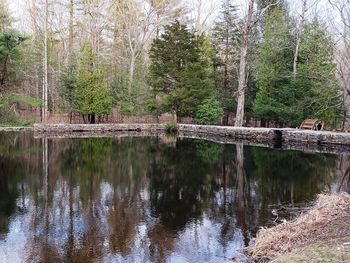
(149,199)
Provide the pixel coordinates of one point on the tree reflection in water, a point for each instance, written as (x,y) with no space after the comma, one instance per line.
(148,199)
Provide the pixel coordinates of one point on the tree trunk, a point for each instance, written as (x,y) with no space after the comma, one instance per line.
(242,83)
(92,119)
(45,77)
(71,30)
(242,80)
(4,72)
(299,35)
(226,60)
(131,72)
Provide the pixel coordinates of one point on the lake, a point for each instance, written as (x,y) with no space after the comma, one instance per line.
(150,199)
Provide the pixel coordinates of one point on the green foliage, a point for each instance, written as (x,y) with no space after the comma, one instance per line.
(68,87)
(209,112)
(86,160)
(155,106)
(171,128)
(318,71)
(314,92)
(27,101)
(226,42)
(10,42)
(276,99)
(208,152)
(92,96)
(182,69)
(130,100)
(8,114)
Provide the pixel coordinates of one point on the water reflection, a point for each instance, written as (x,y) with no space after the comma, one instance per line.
(148,199)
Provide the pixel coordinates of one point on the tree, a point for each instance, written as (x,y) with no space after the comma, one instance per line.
(209,112)
(318,70)
(246,28)
(92,97)
(226,40)
(276,99)
(10,42)
(299,36)
(68,88)
(342,52)
(165,12)
(45,94)
(181,69)
(314,92)
(5,20)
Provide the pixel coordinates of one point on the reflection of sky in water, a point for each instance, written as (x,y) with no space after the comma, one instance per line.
(142,200)
(199,242)
(12,248)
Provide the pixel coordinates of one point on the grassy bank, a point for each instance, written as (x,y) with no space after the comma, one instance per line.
(320,235)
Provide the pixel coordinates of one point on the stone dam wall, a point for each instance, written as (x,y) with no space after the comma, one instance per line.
(272,136)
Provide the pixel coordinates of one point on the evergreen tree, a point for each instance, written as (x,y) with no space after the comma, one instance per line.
(277,98)
(226,37)
(209,112)
(68,88)
(314,92)
(181,69)
(92,96)
(317,71)
(10,42)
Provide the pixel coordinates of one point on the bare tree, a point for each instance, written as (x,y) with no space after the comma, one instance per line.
(246,28)
(299,34)
(305,8)
(165,12)
(45,66)
(342,55)
(71,29)
(202,11)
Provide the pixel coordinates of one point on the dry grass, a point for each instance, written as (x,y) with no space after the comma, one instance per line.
(307,228)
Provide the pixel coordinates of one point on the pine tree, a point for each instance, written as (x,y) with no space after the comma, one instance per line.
(209,112)
(68,88)
(181,69)
(317,70)
(226,38)
(92,96)
(277,98)
(10,42)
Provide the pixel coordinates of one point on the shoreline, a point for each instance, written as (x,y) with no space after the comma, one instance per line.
(283,139)
(16,128)
(319,235)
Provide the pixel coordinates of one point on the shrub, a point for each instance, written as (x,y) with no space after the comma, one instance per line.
(209,112)
(171,128)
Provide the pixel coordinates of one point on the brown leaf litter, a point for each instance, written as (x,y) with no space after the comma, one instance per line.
(327,220)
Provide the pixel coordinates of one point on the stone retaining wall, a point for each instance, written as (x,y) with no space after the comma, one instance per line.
(95,128)
(318,137)
(273,136)
(15,129)
(241,133)
(285,135)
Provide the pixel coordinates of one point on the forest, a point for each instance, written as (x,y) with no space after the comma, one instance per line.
(277,62)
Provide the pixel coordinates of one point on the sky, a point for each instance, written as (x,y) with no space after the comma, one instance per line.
(210,9)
